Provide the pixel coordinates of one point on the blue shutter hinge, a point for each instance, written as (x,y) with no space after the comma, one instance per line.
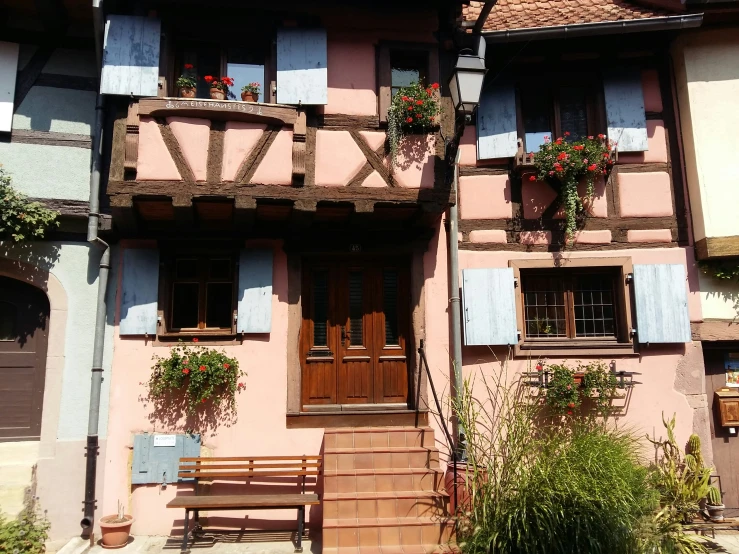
(629,278)
(515,282)
(632,333)
(518,335)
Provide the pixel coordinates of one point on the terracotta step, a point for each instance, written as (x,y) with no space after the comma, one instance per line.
(381,457)
(429,504)
(450,548)
(382,480)
(367,437)
(371,532)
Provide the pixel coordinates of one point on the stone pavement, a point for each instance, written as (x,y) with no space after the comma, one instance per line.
(724,543)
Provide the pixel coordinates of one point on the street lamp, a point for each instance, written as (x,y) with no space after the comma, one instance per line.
(465,84)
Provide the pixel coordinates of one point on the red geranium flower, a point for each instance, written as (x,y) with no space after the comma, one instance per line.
(571,405)
(195,339)
(188,66)
(208,78)
(186,371)
(578,147)
(567,133)
(409,120)
(590,138)
(226,366)
(419,116)
(592,167)
(601,136)
(404,98)
(562,156)
(419,102)
(228,81)
(435,86)
(202,368)
(532,178)
(558,141)
(410,108)
(569,413)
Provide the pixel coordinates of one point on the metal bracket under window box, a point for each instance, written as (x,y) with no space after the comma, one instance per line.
(540,379)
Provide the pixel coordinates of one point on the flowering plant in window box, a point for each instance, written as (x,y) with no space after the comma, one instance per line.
(567,387)
(218,86)
(563,163)
(199,376)
(250,92)
(413,110)
(187,82)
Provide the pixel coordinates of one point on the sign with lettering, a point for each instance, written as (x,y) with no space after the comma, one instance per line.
(212,109)
(165,440)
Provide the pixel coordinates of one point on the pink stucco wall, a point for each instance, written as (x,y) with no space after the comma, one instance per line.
(238,141)
(351,77)
(338,158)
(193,136)
(154,162)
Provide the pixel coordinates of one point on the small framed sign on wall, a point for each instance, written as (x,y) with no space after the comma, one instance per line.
(731,364)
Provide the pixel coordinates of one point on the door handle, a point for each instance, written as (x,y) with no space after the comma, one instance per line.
(343,334)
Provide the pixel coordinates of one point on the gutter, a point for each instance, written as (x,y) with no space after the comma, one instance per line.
(667,23)
(96,377)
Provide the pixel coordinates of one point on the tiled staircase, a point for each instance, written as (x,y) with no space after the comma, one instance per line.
(384,492)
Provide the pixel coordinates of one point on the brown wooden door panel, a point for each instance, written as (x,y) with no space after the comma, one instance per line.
(364,339)
(24,313)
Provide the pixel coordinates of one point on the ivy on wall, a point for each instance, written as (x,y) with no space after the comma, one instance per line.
(726,269)
(20,218)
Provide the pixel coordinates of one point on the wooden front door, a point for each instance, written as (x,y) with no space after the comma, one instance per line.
(353,347)
(24,322)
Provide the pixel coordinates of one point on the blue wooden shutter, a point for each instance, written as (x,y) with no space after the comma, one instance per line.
(140,292)
(497,133)
(131,56)
(627,122)
(302,75)
(489,306)
(661,303)
(255,292)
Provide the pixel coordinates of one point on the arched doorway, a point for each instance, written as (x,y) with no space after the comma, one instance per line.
(24,331)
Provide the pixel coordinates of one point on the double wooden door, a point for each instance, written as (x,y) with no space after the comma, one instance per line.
(354,335)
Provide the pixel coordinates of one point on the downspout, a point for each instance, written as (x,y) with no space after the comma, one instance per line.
(455,307)
(96,377)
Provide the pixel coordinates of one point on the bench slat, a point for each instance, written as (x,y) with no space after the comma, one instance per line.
(206,474)
(244,501)
(250,458)
(298,465)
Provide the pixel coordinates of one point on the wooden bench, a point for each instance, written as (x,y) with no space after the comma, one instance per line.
(248,468)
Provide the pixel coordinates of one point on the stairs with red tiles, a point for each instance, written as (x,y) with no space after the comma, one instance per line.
(384,492)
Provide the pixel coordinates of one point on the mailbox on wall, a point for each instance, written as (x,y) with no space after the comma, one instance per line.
(728,406)
(156,457)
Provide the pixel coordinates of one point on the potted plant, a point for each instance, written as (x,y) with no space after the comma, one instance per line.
(197,377)
(187,82)
(562,164)
(567,387)
(116,529)
(250,92)
(219,86)
(714,505)
(413,110)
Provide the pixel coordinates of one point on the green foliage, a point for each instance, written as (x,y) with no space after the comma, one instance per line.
(24,535)
(726,269)
(196,375)
(694,444)
(660,534)
(21,219)
(562,164)
(564,395)
(413,110)
(714,496)
(682,485)
(542,487)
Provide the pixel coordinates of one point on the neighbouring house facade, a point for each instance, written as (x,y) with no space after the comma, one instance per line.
(48,288)
(707,80)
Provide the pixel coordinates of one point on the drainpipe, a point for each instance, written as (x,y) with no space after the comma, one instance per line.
(96,378)
(455,308)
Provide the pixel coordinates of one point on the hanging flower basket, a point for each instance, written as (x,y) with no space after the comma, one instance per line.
(414,110)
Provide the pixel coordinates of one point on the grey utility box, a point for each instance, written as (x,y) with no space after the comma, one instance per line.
(156,457)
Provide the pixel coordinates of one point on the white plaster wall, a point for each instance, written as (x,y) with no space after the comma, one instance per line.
(75,265)
(719,298)
(56,109)
(707,71)
(41,171)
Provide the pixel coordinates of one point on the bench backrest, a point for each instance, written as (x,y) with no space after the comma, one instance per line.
(250,467)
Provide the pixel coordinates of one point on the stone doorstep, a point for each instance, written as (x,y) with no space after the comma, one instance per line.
(387,532)
(382,457)
(366,437)
(382,480)
(362,505)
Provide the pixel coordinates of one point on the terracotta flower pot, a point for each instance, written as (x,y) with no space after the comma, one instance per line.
(217,94)
(250,96)
(462,498)
(187,92)
(716,512)
(115,534)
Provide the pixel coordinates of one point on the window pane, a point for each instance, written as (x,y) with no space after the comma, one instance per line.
(320,308)
(219,305)
(186,269)
(537,120)
(407,68)
(544,303)
(185,305)
(356,311)
(245,66)
(594,309)
(8,321)
(573,112)
(390,306)
(220,269)
(206,61)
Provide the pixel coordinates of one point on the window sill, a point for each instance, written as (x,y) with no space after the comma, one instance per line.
(573,348)
(226,110)
(210,338)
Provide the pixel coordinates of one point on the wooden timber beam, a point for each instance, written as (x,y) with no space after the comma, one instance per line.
(124,214)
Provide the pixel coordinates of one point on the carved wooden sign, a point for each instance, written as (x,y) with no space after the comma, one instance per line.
(224,110)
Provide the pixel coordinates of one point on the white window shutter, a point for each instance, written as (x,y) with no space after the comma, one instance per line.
(8,71)
(497,132)
(255,292)
(131,56)
(302,75)
(489,307)
(661,304)
(140,292)
(627,121)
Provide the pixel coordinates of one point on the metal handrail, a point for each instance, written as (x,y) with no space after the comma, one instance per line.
(452,448)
